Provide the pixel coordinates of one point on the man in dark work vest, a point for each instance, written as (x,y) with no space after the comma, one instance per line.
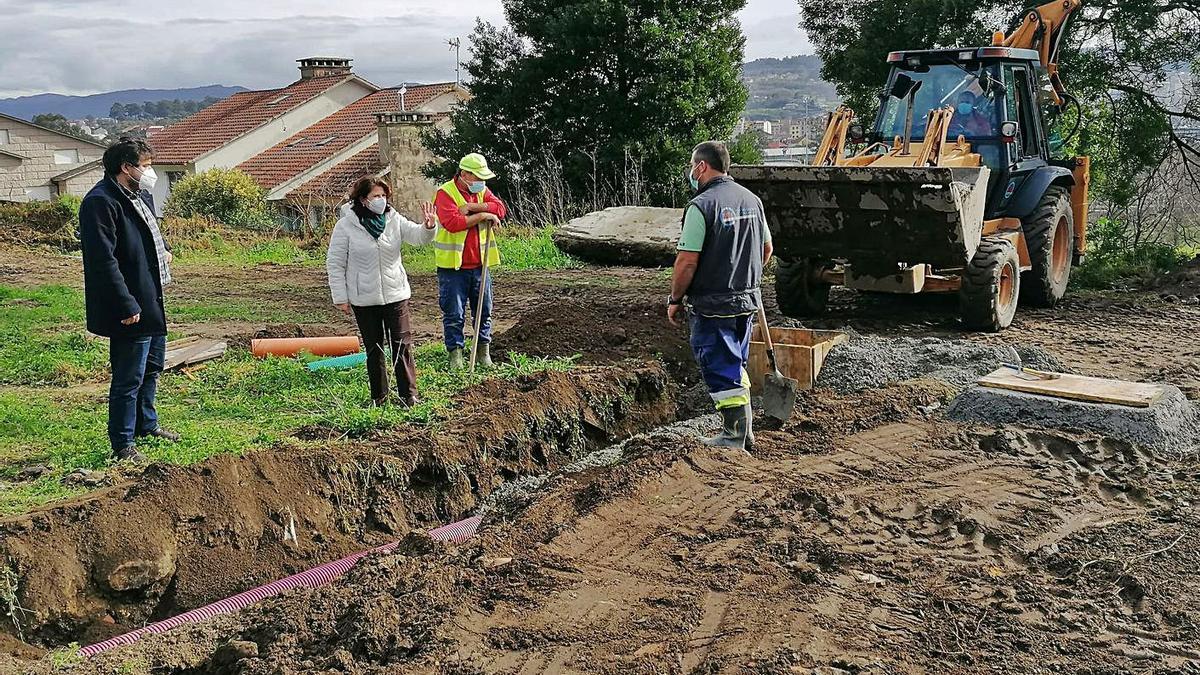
(723,248)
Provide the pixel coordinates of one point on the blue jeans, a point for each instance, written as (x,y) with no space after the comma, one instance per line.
(136,365)
(722,348)
(457,289)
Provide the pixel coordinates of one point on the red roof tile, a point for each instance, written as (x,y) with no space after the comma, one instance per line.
(335,183)
(332,135)
(225,120)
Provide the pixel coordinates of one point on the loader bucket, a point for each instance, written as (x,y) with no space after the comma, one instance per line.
(881,215)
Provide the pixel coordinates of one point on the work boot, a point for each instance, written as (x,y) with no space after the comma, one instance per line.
(162,433)
(733,429)
(129,454)
(456,359)
(484,357)
(749,428)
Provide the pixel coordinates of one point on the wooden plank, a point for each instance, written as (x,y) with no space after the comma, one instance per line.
(194,352)
(1077,388)
(799,353)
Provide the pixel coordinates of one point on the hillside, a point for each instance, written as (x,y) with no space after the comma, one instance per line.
(792,86)
(99,105)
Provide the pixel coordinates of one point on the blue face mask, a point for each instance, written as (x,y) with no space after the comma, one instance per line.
(477,187)
(965,108)
(695,182)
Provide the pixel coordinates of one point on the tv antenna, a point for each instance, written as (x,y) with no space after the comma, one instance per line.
(456,47)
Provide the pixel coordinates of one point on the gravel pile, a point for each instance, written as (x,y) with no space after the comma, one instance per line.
(867,361)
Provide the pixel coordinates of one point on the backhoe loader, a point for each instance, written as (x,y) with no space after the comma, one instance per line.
(957,187)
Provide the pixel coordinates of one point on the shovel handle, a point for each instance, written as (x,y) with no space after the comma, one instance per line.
(766,335)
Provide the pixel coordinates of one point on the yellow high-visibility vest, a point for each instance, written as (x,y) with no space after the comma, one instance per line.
(448,246)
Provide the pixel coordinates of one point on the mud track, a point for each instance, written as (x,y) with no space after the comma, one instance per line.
(178,538)
(865,538)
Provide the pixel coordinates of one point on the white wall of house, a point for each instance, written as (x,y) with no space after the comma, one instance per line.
(266,136)
(44,155)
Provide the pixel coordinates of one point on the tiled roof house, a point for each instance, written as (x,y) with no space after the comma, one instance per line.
(318,133)
(37,163)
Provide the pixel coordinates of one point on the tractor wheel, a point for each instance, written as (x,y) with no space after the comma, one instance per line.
(1050,236)
(799,289)
(990,286)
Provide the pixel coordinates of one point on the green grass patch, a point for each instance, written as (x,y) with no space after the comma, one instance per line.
(1113,260)
(521,249)
(232,405)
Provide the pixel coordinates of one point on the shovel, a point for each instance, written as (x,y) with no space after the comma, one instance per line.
(487,242)
(779,392)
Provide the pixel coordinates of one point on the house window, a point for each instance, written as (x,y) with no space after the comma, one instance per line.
(68,156)
(4,139)
(38,193)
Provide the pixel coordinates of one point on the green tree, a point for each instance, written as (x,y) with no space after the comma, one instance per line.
(1126,61)
(587,103)
(225,195)
(61,124)
(747,148)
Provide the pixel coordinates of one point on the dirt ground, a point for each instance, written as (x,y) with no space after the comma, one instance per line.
(868,534)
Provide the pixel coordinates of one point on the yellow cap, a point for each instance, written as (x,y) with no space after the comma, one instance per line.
(476,164)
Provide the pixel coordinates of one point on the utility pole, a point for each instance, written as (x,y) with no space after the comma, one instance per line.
(456,47)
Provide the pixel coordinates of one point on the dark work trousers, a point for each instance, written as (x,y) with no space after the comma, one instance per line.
(136,364)
(389,325)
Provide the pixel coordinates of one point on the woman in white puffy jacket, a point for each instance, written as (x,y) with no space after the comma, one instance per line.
(367,276)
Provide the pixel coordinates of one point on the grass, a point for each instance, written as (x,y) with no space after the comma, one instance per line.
(236,404)
(521,249)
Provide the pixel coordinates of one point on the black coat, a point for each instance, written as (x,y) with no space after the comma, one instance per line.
(120,265)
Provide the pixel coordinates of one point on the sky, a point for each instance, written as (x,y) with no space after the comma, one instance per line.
(90,46)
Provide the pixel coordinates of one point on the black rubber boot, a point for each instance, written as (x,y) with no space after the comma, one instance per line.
(733,429)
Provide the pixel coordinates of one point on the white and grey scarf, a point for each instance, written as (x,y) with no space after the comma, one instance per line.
(160,245)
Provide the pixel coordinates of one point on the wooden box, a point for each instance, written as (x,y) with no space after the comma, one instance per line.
(799,352)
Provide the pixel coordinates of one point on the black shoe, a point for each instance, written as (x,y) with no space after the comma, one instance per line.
(162,433)
(733,429)
(129,454)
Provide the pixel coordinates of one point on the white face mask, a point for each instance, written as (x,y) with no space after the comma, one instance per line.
(148,179)
(377,205)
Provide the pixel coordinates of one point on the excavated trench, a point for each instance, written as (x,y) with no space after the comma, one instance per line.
(181,537)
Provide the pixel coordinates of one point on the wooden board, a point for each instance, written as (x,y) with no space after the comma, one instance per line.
(1077,388)
(192,350)
(799,353)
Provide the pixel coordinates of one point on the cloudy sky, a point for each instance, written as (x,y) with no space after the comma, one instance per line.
(89,46)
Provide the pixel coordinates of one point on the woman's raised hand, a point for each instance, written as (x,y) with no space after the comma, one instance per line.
(430,214)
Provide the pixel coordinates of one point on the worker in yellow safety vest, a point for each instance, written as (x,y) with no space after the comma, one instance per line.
(465,206)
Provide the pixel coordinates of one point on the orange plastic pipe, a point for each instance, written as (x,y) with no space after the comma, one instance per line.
(317,346)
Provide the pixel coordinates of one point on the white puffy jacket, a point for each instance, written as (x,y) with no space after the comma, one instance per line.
(366,271)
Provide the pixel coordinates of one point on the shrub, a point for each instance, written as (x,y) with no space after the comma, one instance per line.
(224,195)
(53,223)
(1112,259)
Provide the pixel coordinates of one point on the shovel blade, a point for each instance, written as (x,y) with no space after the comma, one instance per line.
(779,396)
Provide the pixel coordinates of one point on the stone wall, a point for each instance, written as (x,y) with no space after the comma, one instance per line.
(37,147)
(400,149)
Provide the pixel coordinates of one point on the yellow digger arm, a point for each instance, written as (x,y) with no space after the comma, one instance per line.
(1042,31)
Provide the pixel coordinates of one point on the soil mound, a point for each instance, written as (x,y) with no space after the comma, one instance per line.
(599,331)
(1182,285)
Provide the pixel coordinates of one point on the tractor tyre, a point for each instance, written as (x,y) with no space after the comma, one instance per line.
(1050,236)
(990,286)
(799,290)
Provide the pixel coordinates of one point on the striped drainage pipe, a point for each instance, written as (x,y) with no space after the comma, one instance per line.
(313,578)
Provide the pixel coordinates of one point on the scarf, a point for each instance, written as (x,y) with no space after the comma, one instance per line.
(372,222)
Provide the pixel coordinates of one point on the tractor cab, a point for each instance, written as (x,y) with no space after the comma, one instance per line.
(1001,102)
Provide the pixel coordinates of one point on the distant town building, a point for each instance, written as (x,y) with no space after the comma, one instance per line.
(37,163)
(306,142)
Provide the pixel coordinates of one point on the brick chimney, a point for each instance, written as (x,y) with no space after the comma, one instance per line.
(400,150)
(324,66)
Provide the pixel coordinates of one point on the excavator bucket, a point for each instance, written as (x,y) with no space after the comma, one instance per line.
(878,215)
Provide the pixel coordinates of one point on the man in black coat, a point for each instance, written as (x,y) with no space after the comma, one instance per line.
(126,264)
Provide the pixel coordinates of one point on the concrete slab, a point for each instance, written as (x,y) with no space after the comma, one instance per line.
(1170,424)
(639,236)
